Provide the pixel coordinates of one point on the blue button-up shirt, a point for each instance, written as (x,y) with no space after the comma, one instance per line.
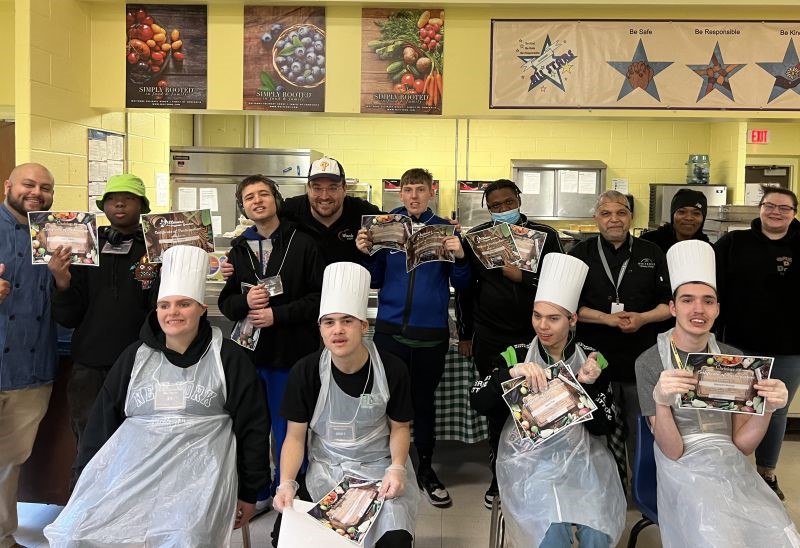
(27,332)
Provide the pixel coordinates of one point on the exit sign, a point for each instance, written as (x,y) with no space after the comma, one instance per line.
(758,136)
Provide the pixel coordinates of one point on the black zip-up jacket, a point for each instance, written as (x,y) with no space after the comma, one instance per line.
(664,236)
(758,283)
(486,395)
(494,305)
(295,332)
(244,401)
(107,304)
(338,241)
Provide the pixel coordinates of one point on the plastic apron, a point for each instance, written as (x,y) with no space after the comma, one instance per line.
(571,479)
(712,496)
(351,436)
(167,477)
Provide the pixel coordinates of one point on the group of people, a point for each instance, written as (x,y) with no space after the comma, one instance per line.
(177,425)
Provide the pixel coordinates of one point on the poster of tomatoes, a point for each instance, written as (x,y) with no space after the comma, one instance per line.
(402,61)
(166,56)
(284,58)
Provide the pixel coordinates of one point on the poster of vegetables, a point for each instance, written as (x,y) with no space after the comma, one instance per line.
(51,230)
(350,508)
(167,56)
(402,61)
(165,230)
(284,58)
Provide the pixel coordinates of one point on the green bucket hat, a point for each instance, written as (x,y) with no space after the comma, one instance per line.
(125,183)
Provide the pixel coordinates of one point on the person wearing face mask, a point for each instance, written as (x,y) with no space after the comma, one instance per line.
(174,450)
(570,480)
(687,215)
(494,311)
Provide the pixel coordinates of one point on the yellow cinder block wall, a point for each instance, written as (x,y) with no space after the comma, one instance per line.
(7,59)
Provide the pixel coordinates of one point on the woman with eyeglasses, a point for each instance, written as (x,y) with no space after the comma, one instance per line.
(495,311)
(758,273)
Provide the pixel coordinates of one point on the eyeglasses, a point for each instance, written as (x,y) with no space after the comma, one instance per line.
(335,189)
(769,207)
(511,203)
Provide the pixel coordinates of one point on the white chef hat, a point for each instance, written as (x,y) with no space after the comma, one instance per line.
(561,280)
(183,273)
(345,290)
(691,261)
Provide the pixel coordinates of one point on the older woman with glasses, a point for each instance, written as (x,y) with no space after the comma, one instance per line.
(759,277)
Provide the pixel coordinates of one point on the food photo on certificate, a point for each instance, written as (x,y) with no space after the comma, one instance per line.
(725,383)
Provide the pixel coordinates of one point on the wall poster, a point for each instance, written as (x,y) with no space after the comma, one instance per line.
(402,61)
(167,56)
(634,64)
(284,58)
(106,158)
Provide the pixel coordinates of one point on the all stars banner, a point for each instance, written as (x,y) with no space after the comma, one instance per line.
(683,65)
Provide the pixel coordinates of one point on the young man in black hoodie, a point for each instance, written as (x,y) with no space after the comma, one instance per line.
(106,305)
(272,251)
(687,213)
(758,279)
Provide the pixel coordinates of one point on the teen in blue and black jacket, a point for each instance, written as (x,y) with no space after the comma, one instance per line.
(412,318)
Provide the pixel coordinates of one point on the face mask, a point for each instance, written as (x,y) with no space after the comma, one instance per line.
(511,216)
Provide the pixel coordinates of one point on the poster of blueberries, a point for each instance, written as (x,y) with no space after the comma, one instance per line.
(167,56)
(284,58)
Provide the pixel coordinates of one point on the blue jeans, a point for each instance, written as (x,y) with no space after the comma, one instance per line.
(273,381)
(787,369)
(559,535)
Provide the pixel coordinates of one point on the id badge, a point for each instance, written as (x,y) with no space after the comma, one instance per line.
(121,249)
(368,400)
(340,431)
(170,397)
(273,285)
(617,307)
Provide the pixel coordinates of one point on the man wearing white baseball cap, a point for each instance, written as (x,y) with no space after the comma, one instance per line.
(356,403)
(707,489)
(326,210)
(571,480)
(176,447)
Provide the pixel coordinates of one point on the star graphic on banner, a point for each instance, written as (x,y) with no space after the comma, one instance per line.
(786,73)
(639,72)
(546,65)
(716,75)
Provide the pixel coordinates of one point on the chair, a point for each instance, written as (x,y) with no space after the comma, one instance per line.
(246,535)
(643,485)
(497,529)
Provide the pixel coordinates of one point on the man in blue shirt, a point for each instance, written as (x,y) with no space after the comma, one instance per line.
(27,334)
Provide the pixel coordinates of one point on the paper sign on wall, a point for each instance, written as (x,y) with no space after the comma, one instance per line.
(531,182)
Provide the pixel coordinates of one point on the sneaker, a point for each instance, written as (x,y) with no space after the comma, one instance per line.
(263,506)
(433,488)
(773,484)
(491,493)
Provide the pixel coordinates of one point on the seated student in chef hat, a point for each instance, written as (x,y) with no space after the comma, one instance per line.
(177,444)
(356,403)
(708,493)
(570,480)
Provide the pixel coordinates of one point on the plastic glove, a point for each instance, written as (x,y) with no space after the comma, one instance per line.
(670,383)
(533,373)
(284,495)
(590,370)
(394,482)
(774,393)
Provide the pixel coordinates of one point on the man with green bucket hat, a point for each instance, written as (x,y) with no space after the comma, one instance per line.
(106,305)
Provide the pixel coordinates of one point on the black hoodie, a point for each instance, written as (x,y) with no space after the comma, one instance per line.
(295,332)
(758,283)
(245,403)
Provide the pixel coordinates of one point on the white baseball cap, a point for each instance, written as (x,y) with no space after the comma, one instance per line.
(326,168)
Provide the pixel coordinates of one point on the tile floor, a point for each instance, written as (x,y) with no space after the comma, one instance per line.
(466,524)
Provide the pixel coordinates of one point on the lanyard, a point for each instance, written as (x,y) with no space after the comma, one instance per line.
(263,270)
(608,270)
(678,360)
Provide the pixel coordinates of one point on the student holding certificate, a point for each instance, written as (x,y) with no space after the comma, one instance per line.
(571,479)
(708,493)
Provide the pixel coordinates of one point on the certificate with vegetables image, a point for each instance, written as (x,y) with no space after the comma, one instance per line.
(402,61)
(244,333)
(725,382)
(495,247)
(53,229)
(540,416)
(427,245)
(529,244)
(387,231)
(164,230)
(350,508)
(284,58)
